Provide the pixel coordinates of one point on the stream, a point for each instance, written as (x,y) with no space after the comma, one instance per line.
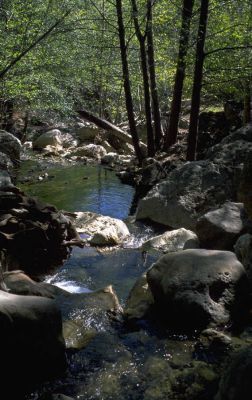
(118,363)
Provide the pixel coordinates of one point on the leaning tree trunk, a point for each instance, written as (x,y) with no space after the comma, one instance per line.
(126,82)
(152,74)
(197,82)
(146,87)
(172,131)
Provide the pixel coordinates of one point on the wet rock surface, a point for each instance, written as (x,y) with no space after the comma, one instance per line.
(102,229)
(198,288)
(219,229)
(170,241)
(33,348)
(187,193)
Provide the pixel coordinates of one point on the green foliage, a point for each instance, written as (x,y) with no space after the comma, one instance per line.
(78,63)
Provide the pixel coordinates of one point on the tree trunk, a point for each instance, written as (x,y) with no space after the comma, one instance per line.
(152,74)
(7,115)
(146,87)
(147,100)
(247,104)
(172,131)
(126,82)
(26,123)
(103,124)
(197,82)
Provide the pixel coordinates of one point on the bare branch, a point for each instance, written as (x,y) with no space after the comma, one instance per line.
(232,48)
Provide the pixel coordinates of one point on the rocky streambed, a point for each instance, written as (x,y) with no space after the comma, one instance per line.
(138,324)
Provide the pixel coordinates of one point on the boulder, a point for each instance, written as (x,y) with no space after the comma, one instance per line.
(50,138)
(17,282)
(86,314)
(186,194)
(32,347)
(95,151)
(235,383)
(234,149)
(10,145)
(243,251)
(5,162)
(245,187)
(219,229)
(179,239)
(139,301)
(198,288)
(110,158)
(213,127)
(35,235)
(5,181)
(87,133)
(68,140)
(102,229)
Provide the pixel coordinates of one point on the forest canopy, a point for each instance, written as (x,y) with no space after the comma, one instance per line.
(64,55)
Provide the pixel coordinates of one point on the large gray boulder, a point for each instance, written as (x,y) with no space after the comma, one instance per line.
(233,149)
(87,133)
(188,192)
(32,346)
(245,186)
(243,251)
(95,151)
(197,288)
(50,138)
(5,181)
(5,162)
(219,229)
(10,145)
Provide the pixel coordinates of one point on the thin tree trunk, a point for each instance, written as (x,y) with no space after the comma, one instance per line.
(126,82)
(247,104)
(147,101)
(152,74)
(26,123)
(197,82)
(8,115)
(172,131)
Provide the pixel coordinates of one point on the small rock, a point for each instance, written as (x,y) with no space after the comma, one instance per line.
(179,239)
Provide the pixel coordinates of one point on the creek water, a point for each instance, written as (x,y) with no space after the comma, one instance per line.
(118,363)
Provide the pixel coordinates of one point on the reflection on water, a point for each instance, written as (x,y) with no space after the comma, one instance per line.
(78,188)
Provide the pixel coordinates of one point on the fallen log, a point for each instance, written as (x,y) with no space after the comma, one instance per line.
(103,124)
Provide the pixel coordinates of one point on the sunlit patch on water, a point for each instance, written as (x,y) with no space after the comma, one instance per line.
(71,287)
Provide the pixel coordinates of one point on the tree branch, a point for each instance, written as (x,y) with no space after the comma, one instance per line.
(227,48)
(34,44)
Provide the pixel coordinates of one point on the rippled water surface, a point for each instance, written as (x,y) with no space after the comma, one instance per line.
(117,363)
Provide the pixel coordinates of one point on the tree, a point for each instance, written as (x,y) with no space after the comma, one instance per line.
(152,74)
(172,131)
(126,82)
(146,84)
(197,82)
